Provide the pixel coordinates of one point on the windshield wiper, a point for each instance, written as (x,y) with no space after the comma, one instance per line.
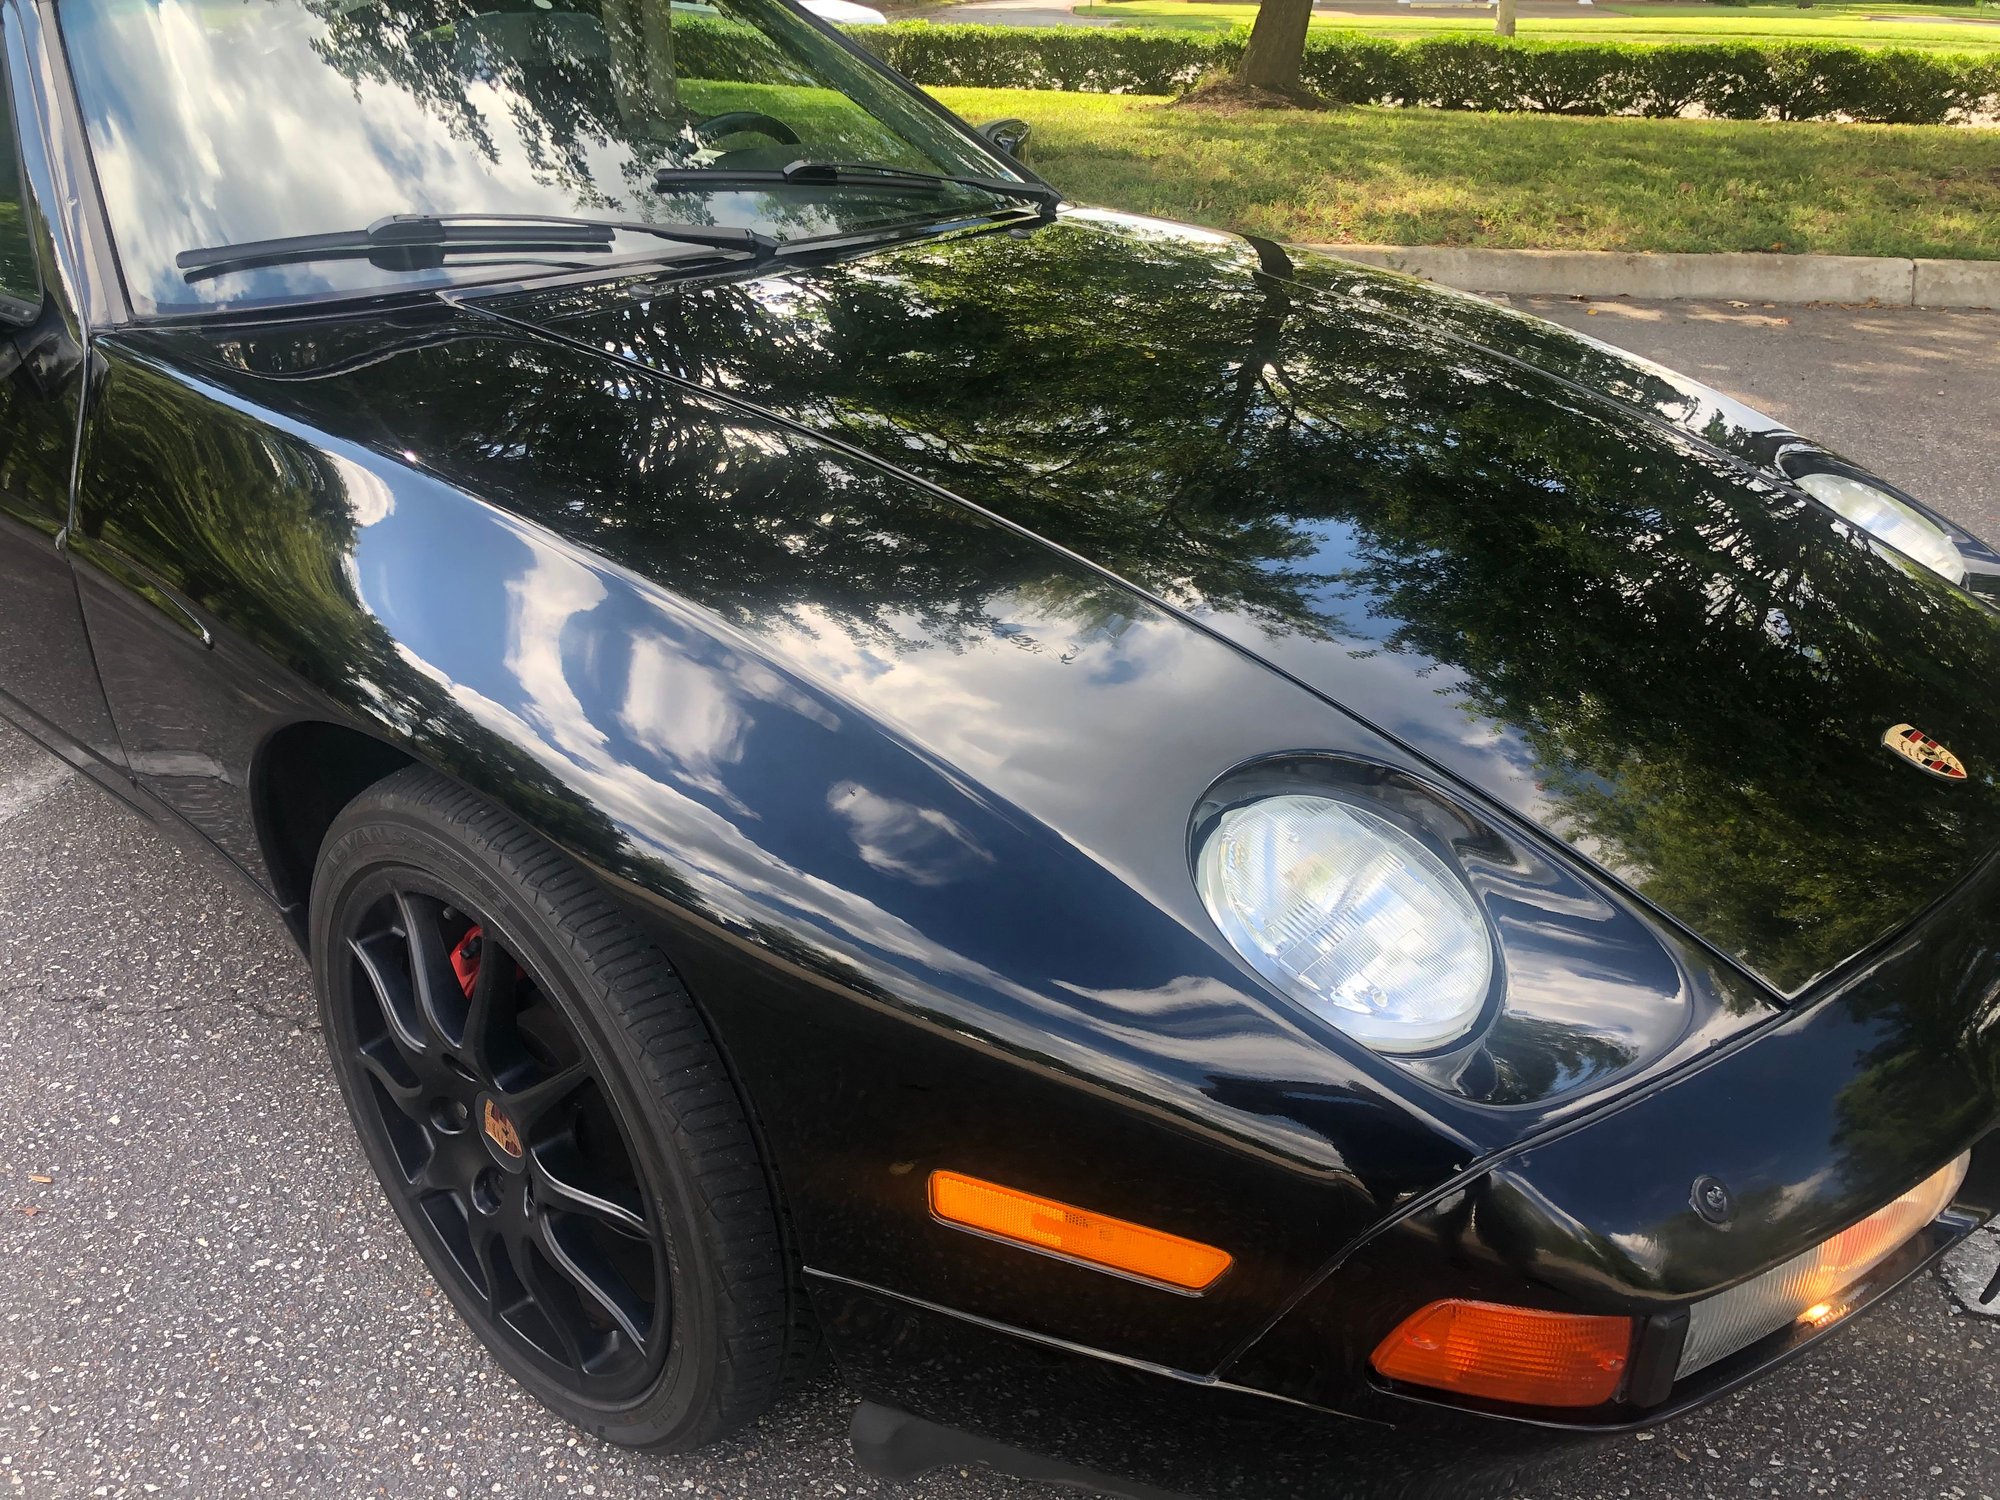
(848,174)
(417,242)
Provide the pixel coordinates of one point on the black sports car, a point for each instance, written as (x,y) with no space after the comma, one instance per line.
(1219,869)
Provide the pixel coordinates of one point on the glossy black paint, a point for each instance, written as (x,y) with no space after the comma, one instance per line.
(878,630)
(45,665)
(1173,1435)
(1619,630)
(1873,1087)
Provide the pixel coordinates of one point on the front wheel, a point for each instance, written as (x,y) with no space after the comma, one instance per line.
(551,1120)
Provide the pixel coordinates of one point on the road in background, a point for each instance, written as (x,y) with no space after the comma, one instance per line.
(209,1297)
(1912,395)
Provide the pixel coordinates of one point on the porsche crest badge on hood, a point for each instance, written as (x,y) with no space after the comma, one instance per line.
(1923,752)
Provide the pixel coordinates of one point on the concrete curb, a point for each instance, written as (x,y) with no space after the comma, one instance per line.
(1888,281)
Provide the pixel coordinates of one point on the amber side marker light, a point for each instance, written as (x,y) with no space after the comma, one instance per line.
(1063,1229)
(1518,1354)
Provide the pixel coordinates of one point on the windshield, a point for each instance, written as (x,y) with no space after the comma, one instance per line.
(218,122)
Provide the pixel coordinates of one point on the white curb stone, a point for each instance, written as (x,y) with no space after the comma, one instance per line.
(1956,283)
(1890,281)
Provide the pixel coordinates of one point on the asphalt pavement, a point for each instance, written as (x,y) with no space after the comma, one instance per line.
(1913,395)
(203,1292)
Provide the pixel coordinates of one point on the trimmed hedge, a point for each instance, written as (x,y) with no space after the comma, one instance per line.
(1074,59)
(1732,80)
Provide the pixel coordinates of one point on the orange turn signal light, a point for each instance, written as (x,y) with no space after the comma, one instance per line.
(1077,1233)
(1518,1354)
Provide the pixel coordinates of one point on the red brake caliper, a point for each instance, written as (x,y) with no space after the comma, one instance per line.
(465,959)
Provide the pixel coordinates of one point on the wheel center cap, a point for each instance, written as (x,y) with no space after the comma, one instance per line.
(502,1137)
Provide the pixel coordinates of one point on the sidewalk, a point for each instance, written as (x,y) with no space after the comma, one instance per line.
(1885,281)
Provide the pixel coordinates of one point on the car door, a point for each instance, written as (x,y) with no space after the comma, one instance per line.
(48,682)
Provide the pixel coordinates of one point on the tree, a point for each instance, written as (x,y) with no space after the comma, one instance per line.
(1268,72)
(1503,18)
(1277,47)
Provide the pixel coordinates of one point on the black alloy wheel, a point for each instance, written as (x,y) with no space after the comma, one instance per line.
(503,1137)
(551,1120)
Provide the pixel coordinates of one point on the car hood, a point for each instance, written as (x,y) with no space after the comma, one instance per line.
(1540,570)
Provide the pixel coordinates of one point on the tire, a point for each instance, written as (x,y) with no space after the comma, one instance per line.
(619,1246)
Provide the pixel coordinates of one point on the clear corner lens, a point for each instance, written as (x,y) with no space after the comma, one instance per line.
(1351,917)
(1887,519)
(1813,1288)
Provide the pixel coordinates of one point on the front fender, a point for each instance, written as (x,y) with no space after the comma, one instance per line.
(903,790)
(920,852)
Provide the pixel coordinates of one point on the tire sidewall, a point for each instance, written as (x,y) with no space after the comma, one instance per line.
(368,840)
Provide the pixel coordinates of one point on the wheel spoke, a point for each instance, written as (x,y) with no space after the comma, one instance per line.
(439,995)
(531,1105)
(434,1177)
(489,1250)
(562,1256)
(492,997)
(407,1097)
(447,1213)
(587,1269)
(392,995)
(617,1208)
(549,1298)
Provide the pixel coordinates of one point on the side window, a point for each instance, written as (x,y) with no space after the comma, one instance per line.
(20,280)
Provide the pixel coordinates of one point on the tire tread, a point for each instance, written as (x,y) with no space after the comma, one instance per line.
(768,1337)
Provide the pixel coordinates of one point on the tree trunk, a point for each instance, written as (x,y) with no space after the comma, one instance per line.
(1277,46)
(1503,18)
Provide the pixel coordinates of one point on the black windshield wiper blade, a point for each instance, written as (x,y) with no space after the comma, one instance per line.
(421,241)
(848,174)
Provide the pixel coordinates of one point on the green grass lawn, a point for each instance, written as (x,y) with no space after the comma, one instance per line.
(1434,177)
(1925,27)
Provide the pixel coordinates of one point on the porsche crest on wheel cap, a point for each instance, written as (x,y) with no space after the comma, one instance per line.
(1923,752)
(500,1131)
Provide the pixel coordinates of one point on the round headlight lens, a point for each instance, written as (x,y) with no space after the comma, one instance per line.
(1351,917)
(1887,519)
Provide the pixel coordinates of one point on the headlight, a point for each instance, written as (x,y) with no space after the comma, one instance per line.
(1350,916)
(1887,519)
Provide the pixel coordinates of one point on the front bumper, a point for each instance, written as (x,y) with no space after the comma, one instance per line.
(1813,1121)
(1039,1410)
(1036,1409)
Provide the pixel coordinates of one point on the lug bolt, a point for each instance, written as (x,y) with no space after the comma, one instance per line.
(486,1191)
(449,1116)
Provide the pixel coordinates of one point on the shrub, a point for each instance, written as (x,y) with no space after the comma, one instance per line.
(1451,72)
(1350,68)
(715,47)
(1917,88)
(1732,80)
(1075,59)
(1577,79)
(1675,79)
(1737,83)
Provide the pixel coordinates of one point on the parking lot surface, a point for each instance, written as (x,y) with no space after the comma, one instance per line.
(203,1293)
